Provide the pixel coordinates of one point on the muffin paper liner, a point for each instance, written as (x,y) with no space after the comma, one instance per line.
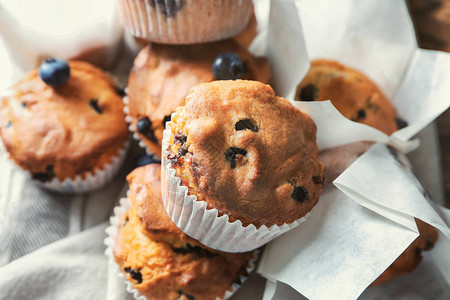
(184,22)
(205,225)
(110,241)
(92,181)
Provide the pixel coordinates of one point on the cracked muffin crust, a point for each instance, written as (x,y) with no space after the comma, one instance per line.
(159,270)
(61,132)
(162,76)
(247,153)
(336,160)
(351,92)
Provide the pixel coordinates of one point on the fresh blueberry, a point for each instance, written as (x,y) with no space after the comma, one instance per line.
(54,72)
(146,160)
(227,66)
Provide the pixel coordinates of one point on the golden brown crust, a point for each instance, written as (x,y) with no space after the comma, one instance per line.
(336,160)
(248,174)
(42,126)
(351,92)
(246,36)
(160,271)
(145,196)
(162,76)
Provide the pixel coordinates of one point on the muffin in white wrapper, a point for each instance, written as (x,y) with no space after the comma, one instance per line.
(91,181)
(110,241)
(184,21)
(205,225)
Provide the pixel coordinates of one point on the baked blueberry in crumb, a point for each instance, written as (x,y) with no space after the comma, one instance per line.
(232,153)
(401,123)
(184,296)
(54,72)
(120,91)
(300,194)
(146,160)
(318,179)
(308,93)
(44,176)
(246,124)
(23,104)
(135,274)
(361,114)
(8,124)
(144,126)
(228,66)
(196,250)
(94,104)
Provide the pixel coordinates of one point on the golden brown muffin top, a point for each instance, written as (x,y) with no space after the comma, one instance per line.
(351,92)
(336,161)
(159,271)
(66,129)
(247,153)
(162,76)
(145,196)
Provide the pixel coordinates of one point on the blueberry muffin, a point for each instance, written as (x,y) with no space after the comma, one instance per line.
(63,121)
(163,75)
(159,270)
(246,152)
(352,93)
(145,196)
(336,160)
(184,21)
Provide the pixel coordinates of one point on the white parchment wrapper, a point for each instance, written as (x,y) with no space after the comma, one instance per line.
(205,225)
(110,241)
(344,246)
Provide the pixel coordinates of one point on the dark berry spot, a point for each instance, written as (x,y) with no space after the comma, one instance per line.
(44,176)
(9,124)
(246,124)
(23,104)
(146,160)
(168,8)
(232,153)
(228,66)
(187,296)
(54,72)
(196,250)
(135,274)
(120,91)
(166,119)
(308,93)
(94,104)
(144,126)
(318,179)
(300,194)
(429,245)
(125,222)
(361,114)
(180,137)
(401,123)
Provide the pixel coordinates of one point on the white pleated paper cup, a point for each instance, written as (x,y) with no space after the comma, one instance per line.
(90,181)
(205,225)
(110,241)
(184,21)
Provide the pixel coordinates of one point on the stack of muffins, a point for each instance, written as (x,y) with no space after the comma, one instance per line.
(240,166)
